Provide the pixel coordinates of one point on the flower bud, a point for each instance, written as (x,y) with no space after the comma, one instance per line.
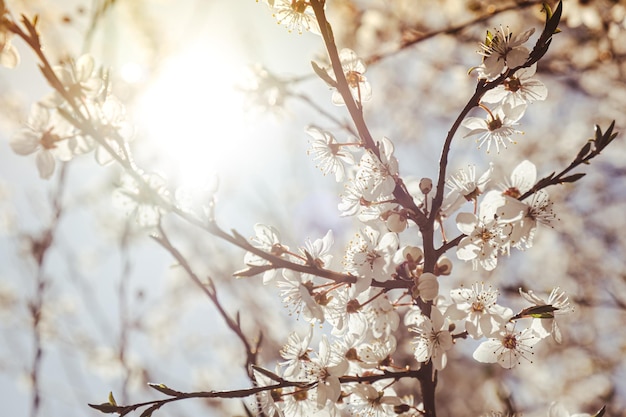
(426,185)
(427,286)
(443,266)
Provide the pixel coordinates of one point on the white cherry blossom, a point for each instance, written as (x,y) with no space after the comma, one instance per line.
(369,255)
(465,187)
(47,136)
(518,89)
(328,153)
(484,241)
(371,401)
(477,308)
(433,338)
(502,50)
(267,238)
(353,68)
(508,347)
(326,368)
(296,354)
(497,128)
(295,15)
(379,173)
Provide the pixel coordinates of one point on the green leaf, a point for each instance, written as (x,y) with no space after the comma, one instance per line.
(321,72)
(164,389)
(537,312)
(107,408)
(111,398)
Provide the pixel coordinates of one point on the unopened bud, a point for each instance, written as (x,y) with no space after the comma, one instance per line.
(426,185)
(443,267)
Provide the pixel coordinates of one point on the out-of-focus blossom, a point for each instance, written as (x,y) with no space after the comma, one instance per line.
(46,135)
(9,56)
(353,68)
(146,199)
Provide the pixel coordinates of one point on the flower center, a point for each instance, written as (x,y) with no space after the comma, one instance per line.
(353,78)
(299,6)
(48,139)
(513,192)
(485,235)
(513,84)
(300,395)
(494,124)
(509,341)
(478,307)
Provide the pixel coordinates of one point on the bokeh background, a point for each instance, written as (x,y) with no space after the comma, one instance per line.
(220,94)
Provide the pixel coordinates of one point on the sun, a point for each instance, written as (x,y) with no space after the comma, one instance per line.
(193,116)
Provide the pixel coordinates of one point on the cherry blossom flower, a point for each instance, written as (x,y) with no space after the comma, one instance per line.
(353,199)
(353,68)
(267,239)
(497,128)
(268,400)
(295,15)
(485,239)
(524,217)
(48,136)
(146,199)
(345,313)
(518,89)
(547,325)
(433,338)
(502,50)
(379,173)
(9,56)
(115,127)
(381,315)
(377,353)
(508,348)
(330,155)
(368,400)
(298,293)
(478,309)
(369,255)
(523,177)
(465,187)
(326,368)
(319,250)
(300,402)
(79,79)
(296,354)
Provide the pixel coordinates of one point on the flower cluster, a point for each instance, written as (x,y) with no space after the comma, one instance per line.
(505,54)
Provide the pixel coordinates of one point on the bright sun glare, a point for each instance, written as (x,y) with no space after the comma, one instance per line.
(194,116)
